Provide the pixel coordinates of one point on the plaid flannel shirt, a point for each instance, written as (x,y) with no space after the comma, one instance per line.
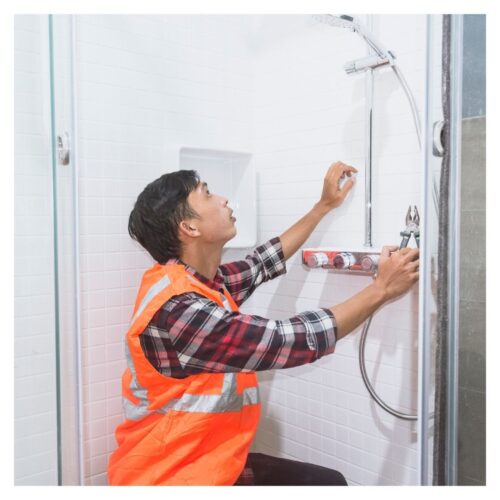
(191,334)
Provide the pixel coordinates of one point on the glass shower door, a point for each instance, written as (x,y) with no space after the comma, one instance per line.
(452,337)
(35,375)
(47,352)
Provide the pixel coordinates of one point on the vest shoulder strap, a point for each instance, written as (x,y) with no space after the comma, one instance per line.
(159,283)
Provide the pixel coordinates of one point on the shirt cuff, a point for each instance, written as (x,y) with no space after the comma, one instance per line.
(322,331)
(272,257)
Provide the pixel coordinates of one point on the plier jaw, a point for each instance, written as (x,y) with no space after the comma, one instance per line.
(412,227)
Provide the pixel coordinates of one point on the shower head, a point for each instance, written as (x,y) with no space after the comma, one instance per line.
(348,22)
(342,21)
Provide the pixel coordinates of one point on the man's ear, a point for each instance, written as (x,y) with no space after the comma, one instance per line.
(188,228)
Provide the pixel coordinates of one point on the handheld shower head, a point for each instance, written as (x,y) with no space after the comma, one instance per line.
(342,21)
(348,22)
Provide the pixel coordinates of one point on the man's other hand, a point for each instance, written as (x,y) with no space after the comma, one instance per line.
(333,194)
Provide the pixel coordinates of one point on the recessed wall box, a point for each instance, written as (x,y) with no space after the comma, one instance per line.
(230,174)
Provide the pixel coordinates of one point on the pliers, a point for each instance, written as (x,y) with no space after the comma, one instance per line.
(412,227)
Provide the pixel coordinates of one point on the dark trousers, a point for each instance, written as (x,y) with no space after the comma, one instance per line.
(274,471)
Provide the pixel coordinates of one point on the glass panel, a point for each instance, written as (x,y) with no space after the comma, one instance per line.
(35,414)
(47,391)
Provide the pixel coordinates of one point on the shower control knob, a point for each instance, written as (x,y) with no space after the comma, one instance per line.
(317,260)
(369,262)
(344,260)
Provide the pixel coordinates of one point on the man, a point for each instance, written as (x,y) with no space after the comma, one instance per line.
(190,391)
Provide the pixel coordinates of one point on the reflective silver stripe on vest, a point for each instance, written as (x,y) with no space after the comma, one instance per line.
(137,411)
(227,401)
(150,295)
(134,411)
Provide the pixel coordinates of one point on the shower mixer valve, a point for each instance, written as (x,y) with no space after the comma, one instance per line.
(363,261)
(352,262)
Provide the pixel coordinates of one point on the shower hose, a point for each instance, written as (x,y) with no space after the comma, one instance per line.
(366,326)
(366,380)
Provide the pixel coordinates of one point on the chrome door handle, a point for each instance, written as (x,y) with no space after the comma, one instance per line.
(63,149)
(437,138)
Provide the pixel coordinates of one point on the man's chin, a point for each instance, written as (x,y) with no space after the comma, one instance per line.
(231,236)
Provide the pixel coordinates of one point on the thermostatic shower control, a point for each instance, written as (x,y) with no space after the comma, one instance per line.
(351,262)
(344,260)
(369,263)
(318,259)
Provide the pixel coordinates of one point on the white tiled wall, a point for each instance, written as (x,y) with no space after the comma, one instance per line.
(272,85)
(35,451)
(145,84)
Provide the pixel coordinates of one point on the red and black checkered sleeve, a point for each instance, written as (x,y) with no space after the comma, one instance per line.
(192,334)
(242,277)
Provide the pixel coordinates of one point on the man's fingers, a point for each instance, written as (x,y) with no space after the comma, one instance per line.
(334,167)
(386,251)
(409,254)
(338,170)
(346,188)
(414,264)
(415,276)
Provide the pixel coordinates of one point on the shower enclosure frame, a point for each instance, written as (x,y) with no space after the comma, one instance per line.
(425,413)
(66,232)
(425,295)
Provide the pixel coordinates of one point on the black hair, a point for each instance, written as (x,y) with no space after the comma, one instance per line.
(158,211)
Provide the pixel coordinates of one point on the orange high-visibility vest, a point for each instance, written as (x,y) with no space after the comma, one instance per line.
(191,431)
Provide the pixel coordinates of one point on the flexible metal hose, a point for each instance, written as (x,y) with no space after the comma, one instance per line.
(416,122)
(413,104)
(364,375)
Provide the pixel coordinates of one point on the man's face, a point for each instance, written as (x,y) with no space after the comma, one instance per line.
(215,222)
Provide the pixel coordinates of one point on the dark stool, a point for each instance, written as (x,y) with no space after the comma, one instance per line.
(274,471)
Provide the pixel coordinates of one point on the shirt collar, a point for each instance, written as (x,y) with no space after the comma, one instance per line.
(216,284)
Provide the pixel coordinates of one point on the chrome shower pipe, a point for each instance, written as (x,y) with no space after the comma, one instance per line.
(368,145)
(368,156)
